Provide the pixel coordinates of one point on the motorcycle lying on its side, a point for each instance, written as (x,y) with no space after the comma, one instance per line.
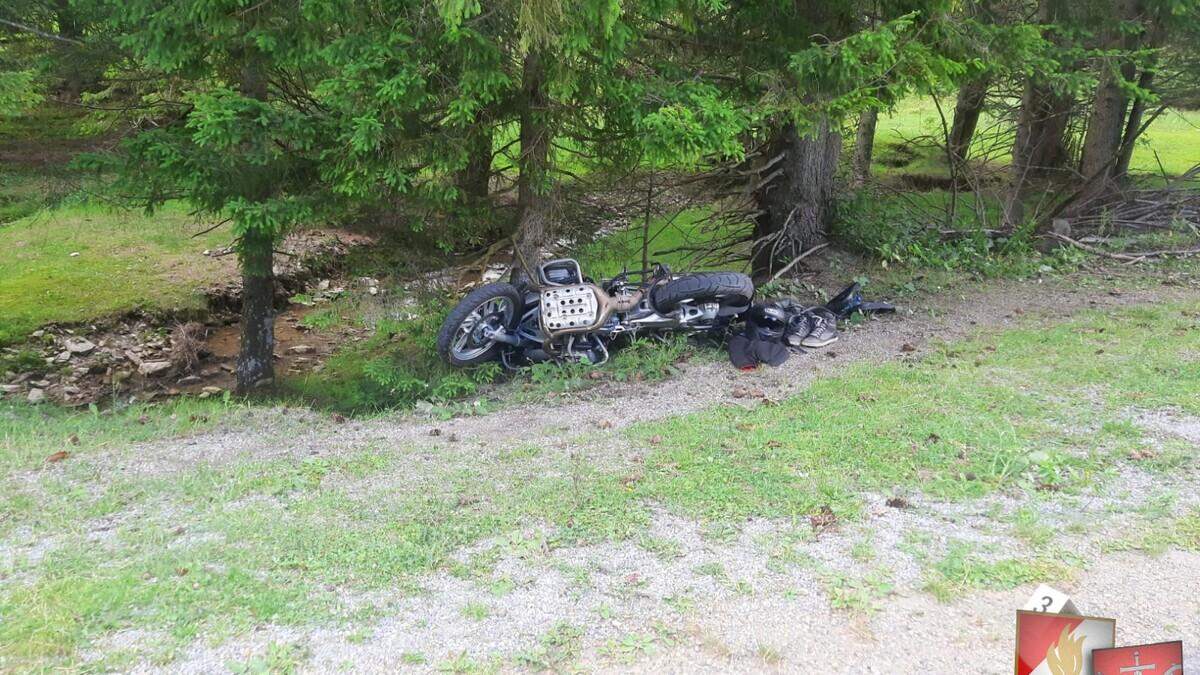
(565,316)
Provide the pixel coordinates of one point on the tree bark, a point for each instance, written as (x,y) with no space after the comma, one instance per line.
(256,354)
(864,146)
(795,195)
(967,110)
(535,221)
(1133,127)
(1039,150)
(474,179)
(1102,140)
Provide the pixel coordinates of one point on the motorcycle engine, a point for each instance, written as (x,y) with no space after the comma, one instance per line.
(567,308)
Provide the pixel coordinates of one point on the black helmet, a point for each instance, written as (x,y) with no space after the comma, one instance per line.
(766,322)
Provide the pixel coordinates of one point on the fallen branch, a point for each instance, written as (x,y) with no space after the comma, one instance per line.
(797,259)
(1125,257)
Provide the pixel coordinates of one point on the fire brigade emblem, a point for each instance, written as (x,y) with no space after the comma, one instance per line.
(1163,658)
(1060,644)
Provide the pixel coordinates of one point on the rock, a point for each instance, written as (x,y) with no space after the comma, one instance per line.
(373,291)
(121,375)
(74,254)
(63,357)
(302,349)
(1061,226)
(189,380)
(154,367)
(211,390)
(70,390)
(41,384)
(264,382)
(36,395)
(79,345)
(10,388)
(323,285)
(37,333)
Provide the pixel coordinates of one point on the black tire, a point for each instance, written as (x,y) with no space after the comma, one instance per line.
(723,287)
(475,300)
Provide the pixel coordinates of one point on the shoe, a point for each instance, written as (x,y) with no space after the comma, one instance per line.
(824,328)
(798,328)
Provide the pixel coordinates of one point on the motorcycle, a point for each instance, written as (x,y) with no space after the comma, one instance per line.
(565,316)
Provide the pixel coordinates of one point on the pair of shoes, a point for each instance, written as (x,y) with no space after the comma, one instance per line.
(822,328)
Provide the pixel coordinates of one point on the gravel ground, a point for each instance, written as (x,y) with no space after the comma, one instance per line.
(752,600)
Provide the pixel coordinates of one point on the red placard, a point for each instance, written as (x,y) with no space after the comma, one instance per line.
(1060,644)
(1161,658)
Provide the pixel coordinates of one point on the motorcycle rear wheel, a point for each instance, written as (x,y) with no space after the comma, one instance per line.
(461,341)
(724,287)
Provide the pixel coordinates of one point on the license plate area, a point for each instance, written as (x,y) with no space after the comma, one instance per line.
(569,307)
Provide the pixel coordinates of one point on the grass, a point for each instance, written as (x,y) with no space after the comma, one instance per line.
(963,569)
(622,249)
(1173,137)
(213,550)
(1161,534)
(24,192)
(30,434)
(974,418)
(84,263)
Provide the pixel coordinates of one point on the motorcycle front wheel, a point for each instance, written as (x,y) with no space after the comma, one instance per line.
(462,340)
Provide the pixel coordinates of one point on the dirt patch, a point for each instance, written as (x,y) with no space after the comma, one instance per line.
(301,260)
(298,349)
(136,355)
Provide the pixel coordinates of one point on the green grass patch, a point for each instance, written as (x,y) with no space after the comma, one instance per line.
(668,234)
(82,263)
(29,434)
(1014,411)
(904,141)
(1158,535)
(963,569)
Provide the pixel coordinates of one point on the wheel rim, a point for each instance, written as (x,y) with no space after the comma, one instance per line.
(470,340)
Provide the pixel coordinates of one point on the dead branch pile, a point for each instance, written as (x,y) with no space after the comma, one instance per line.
(1167,207)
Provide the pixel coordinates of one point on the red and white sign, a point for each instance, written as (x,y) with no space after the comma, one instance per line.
(1060,644)
(1162,658)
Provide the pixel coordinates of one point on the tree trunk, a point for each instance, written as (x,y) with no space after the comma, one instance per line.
(966,116)
(795,195)
(474,179)
(864,146)
(1039,150)
(534,222)
(255,362)
(1102,140)
(1133,127)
